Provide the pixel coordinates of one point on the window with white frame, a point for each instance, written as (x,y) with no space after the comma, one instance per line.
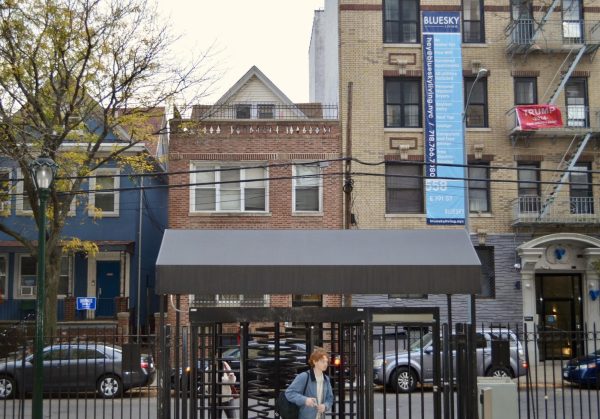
(227,187)
(104,193)
(3,277)
(27,276)
(23,205)
(307,193)
(4,189)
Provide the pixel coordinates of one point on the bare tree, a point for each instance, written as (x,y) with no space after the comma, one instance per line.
(77,72)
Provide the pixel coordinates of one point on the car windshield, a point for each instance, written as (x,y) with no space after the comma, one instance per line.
(420,342)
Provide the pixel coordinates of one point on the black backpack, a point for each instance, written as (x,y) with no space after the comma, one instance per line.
(285,408)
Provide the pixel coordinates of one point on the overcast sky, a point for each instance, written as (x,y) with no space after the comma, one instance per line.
(274,35)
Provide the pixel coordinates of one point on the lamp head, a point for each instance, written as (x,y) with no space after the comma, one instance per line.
(43,169)
(483,72)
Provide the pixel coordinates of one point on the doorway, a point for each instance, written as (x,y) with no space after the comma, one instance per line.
(560,315)
(108,284)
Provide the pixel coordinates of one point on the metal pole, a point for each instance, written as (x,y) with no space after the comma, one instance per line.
(39,318)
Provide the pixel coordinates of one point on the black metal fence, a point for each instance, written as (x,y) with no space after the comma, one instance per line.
(102,374)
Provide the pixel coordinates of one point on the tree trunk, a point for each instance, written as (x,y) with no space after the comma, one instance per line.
(53,263)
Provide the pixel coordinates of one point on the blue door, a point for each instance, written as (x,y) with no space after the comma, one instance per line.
(108,283)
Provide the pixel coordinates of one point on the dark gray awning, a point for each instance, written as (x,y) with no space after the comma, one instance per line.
(317,262)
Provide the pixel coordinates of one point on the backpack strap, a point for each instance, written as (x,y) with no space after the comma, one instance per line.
(306,383)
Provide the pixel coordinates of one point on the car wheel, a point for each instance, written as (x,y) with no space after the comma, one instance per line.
(8,387)
(404,380)
(110,386)
(499,372)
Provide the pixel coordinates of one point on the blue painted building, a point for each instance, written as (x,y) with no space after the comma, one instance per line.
(128,234)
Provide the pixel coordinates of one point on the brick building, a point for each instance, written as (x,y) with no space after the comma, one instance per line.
(533,194)
(256,160)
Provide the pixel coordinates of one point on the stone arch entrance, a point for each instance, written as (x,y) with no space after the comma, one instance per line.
(559,285)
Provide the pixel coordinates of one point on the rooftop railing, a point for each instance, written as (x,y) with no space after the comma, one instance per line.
(265,111)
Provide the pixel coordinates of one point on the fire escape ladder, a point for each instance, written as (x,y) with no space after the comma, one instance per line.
(570,63)
(565,167)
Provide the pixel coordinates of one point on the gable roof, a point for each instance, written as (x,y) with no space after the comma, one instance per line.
(254,72)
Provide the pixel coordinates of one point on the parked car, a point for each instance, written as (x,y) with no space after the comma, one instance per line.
(583,370)
(76,367)
(408,367)
(261,362)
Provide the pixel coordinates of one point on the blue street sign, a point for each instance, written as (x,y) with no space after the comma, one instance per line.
(86,303)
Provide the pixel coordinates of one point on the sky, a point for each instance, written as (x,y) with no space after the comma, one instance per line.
(274,35)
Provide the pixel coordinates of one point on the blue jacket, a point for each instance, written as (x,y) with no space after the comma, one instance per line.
(294,393)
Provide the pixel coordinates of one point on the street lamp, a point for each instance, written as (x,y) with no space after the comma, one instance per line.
(480,74)
(42,171)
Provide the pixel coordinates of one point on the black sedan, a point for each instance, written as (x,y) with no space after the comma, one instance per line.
(74,367)
(584,370)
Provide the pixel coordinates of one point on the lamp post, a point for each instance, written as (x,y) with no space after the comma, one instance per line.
(480,74)
(42,170)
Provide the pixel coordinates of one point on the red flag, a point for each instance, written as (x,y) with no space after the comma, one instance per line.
(532,117)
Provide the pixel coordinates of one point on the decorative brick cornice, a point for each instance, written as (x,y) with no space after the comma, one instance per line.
(584,158)
(410,157)
(580,73)
(525,73)
(528,157)
(254,156)
(591,9)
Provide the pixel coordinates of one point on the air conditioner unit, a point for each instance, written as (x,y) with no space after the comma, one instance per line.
(26,291)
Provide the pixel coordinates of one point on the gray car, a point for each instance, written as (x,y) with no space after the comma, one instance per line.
(408,367)
(74,367)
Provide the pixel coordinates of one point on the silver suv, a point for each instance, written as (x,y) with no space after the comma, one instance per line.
(403,372)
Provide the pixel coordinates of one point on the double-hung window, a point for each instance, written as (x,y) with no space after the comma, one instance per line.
(3,277)
(4,190)
(404,188)
(403,102)
(529,187)
(473,27)
(525,90)
(27,276)
(228,188)
(477,111)
(23,205)
(265,111)
(401,21)
(581,195)
(479,187)
(104,193)
(243,111)
(577,103)
(307,193)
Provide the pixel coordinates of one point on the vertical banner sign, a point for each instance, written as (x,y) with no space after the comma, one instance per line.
(444,133)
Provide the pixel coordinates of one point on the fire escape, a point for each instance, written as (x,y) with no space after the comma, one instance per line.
(568,34)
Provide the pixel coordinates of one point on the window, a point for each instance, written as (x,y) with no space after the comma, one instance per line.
(404,188)
(307,188)
(242,111)
(104,196)
(572,21)
(27,276)
(580,189)
(526,91)
(225,188)
(23,204)
(266,111)
(401,21)
(577,103)
(3,277)
(529,187)
(4,190)
(477,112)
(522,21)
(488,271)
(473,28)
(479,187)
(403,102)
